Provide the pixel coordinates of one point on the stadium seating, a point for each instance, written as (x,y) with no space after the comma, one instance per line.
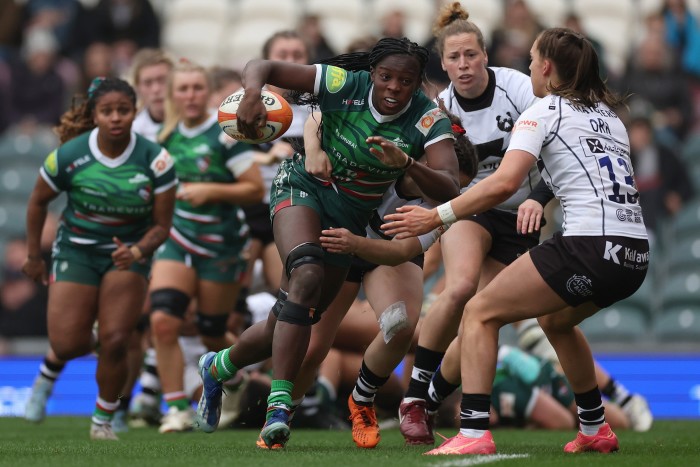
(686,224)
(549,13)
(485,14)
(17,182)
(678,324)
(681,289)
(619,322)
(684,257)
(13,216)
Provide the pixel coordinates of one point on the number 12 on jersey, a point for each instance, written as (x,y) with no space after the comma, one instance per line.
(632,195)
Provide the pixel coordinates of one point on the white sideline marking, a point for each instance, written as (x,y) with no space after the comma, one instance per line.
(478,460)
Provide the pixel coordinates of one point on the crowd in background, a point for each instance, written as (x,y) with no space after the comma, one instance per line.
(49,50)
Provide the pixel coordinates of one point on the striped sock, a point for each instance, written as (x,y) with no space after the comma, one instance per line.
(222,368)
(177,399)
(591,413)
(438,391)
(104,411)
(474,415)
(280,396)
(367,385)
(51,370)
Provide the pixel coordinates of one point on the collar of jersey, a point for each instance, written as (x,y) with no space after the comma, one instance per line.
(197,130)
(109,161)
(385,118)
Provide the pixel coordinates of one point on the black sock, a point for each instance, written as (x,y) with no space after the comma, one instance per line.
(439,389)
(424,367)
(474,411)
(591,413)
(51,370)
(124,403)
(367,386)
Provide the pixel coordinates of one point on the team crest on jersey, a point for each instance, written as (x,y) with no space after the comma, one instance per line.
(505,123)
(203,163)
(428,119)
(335,79)
(51,164)
(145,193)
(162,163)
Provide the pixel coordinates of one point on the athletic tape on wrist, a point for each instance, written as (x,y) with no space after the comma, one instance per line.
(447,215)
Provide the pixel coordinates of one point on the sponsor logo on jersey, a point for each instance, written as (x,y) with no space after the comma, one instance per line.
(51,164)
(138,178)
(353,102)
(399,142)
(77,163)
(428,119)
(595,146)
(579,285)
(162,163)
(524,124)
(628,215)
(145,193)
(335,79)
(505,123)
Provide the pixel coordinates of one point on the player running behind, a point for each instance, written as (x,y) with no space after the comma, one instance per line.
(121,190)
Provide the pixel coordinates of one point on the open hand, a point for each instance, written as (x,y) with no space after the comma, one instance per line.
(387,152)
(410,221)
(529,216)
(339,241)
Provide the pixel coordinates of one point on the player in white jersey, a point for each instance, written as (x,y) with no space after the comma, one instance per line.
(582,150)
(488,101)
(150,72)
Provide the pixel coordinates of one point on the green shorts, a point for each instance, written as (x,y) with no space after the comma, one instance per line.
(223,268)
(86,266)
(514,400)
(293,186)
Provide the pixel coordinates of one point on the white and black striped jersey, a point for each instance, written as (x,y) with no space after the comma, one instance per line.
(489,120)
(583,154)
(391,200)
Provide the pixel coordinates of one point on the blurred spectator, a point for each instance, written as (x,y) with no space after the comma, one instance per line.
(126,25)
(573,22)
(652,76)
(362,44)
(683,34)
(310,31)
(97,61)
(37,88)
(11,13)
(510,43)
(57,16)
(660,175)
(225,81)
(22,301)
(393,24)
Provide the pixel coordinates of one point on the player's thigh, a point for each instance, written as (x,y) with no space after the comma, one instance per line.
(272,265)
(325,331)
(489,269)
(121,298)
(358,329)
(71,311)
(464,247)
(217,298)
(170,274)
(518,292)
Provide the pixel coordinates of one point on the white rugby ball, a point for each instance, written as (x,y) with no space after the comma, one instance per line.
(279,117)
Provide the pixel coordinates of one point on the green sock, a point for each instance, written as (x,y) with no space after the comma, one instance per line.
(221,368)
(280,396)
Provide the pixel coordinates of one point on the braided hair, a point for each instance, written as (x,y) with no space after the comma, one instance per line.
(365,61)
(79,118)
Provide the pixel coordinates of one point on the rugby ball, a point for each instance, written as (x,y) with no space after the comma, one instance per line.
(279,117)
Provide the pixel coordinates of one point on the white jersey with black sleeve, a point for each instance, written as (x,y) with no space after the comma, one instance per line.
(391,200)
(583,154)
(489,121)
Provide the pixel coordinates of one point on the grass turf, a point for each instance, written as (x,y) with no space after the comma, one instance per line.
(63,441)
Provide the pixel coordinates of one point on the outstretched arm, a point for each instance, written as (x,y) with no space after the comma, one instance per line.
(410,221)
(387,252)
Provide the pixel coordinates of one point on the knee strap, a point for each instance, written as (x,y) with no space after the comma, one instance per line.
(171,301)
(304,253)
(277,307)
(294,313)
(211,325)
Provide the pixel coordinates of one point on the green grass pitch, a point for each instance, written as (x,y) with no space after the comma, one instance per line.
(63,441)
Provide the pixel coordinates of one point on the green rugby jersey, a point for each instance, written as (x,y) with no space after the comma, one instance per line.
(349,118)
(206,154)
(107,197)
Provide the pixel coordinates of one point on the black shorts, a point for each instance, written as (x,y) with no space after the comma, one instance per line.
(602,270)
(360,267)
(257,217)
(507,243)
